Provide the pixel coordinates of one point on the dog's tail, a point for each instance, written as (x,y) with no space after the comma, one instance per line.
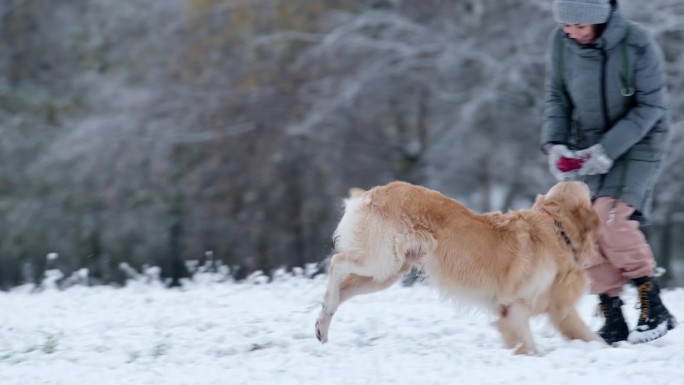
(355,209)
(355,192)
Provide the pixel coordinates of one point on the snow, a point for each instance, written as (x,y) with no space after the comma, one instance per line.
(212,332)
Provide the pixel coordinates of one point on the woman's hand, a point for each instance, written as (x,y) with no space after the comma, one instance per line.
(597,162)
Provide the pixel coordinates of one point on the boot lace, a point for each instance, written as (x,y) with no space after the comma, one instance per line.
(644,304)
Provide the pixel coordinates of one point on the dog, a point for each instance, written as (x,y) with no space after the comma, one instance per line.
(516,264)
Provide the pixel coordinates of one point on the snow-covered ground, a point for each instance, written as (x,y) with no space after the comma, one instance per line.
(231,334)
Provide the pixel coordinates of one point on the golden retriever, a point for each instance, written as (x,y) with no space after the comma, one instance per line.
(516,264)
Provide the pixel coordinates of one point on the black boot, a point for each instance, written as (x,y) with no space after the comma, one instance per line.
(615,328)
(655,320)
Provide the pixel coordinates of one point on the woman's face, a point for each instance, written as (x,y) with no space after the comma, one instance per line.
(581,33)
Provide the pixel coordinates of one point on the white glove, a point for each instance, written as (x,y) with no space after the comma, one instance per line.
(555,152)
(597,161)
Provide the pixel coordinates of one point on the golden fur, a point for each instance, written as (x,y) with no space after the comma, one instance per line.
(515,264)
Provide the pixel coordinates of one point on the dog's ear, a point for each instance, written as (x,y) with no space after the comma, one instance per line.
(551,205)
(587,222)
(355,192)
(540,202)
(586,218)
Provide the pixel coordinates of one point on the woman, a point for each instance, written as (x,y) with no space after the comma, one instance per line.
(606,110)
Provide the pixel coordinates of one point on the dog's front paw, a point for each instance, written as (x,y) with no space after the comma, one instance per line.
(525,350)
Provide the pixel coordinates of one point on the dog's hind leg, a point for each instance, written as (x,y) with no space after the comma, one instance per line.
(341,266)
(355,284)
(345,280)
(570,325)
(514,326)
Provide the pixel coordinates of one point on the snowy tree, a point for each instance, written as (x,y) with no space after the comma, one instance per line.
(151,133)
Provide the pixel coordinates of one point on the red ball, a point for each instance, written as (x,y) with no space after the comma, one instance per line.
(569,164)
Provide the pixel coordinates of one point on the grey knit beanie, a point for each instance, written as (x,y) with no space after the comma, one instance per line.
(581,11)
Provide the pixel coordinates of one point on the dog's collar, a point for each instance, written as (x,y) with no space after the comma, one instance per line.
(564,235)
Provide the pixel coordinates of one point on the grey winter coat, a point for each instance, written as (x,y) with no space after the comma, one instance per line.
(586,106)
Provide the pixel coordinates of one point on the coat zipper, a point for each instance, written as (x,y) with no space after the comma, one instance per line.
(604,63)
(606,120)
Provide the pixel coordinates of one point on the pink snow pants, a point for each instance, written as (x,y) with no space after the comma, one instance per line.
(624,253)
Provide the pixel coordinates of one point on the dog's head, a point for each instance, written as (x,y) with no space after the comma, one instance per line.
(570,204)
